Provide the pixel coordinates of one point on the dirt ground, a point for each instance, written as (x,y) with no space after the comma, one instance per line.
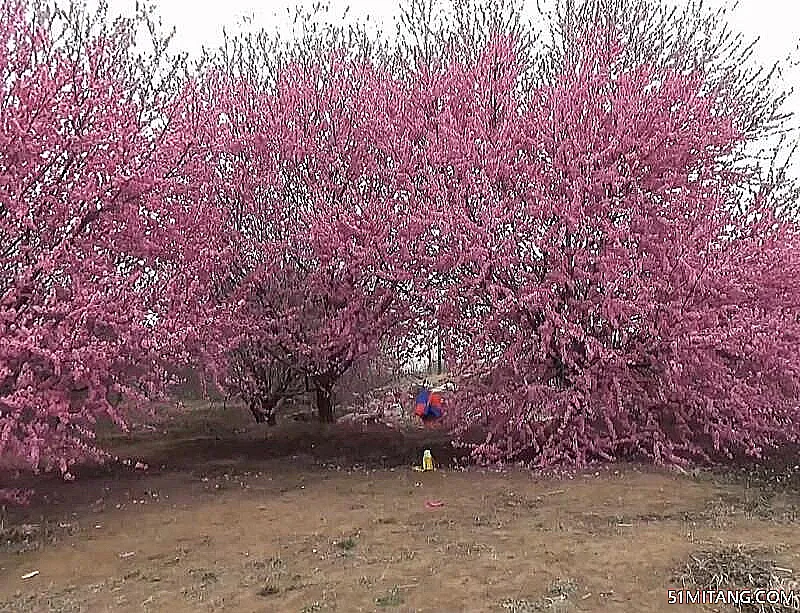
(229,516)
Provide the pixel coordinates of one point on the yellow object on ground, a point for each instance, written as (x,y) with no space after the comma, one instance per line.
(427,460)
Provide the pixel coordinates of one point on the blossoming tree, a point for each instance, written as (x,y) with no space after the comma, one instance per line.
(623,274)
(88,146)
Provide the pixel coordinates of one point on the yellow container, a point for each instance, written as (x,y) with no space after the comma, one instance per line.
(427,460)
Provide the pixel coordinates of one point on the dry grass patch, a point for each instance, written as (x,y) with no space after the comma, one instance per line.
(739,567)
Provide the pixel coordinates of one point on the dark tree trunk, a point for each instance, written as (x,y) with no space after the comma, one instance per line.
(439,352)
(325,404)
(257,413)
(264,411)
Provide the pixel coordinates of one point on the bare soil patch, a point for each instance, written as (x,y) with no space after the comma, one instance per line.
(230,516)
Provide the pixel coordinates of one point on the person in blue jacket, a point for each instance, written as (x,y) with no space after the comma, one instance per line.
(428,406)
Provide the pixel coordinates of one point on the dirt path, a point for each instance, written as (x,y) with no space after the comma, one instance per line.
(290,534)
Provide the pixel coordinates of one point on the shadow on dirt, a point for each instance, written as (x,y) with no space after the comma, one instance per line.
(374,448)
(778,471)
(208,442)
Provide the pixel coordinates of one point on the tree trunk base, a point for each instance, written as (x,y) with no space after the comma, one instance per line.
(324,406)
